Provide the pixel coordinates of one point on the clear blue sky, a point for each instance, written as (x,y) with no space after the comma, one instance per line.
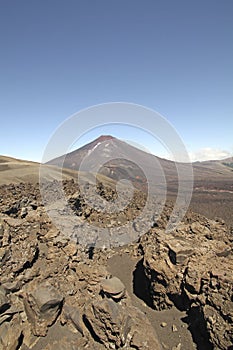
(57,57)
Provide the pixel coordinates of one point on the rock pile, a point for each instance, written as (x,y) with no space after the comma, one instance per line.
(53,296)
(56,294)
(192,269)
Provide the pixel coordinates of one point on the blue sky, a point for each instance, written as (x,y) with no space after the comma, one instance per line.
(58,57)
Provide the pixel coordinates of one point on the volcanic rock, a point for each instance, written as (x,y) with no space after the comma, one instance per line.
(118,326)
(50,283)
(10,336)
(4,303)
(190,272)
(42,306)
(113,287)
(106,319)
(73,314)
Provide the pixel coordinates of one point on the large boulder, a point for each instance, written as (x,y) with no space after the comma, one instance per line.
(118,326)
(113,287)
(42,306)
(192,268)
(10,335)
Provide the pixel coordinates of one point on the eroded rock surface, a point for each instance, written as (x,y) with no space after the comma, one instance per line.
(113,287)
(118,326)
(42,306)
(57,294)
(192,268)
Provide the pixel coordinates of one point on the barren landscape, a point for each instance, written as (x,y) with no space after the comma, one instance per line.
(116,175)
(58,293)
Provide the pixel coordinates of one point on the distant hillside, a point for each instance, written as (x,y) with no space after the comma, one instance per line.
(228,162)
(15,171)
(213,180)
(109,146)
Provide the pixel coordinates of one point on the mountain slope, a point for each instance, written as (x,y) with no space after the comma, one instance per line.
(213,180)
(16,170)
(115,157)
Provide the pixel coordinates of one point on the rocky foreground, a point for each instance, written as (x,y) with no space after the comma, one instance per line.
(57,294)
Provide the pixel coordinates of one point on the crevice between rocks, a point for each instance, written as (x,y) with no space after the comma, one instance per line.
(20,341)
(91,330)
(141,285)
(197,327)
(195,319)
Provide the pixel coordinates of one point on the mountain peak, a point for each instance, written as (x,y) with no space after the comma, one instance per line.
(103,138)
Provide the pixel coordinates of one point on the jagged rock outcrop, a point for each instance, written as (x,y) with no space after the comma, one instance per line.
(192,268)
(118,326)
(10,335)
(47,282)
(42,306)
(50,284)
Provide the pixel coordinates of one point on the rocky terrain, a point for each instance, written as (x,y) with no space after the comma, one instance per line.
(212,180)
(212,193)
(56,293)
